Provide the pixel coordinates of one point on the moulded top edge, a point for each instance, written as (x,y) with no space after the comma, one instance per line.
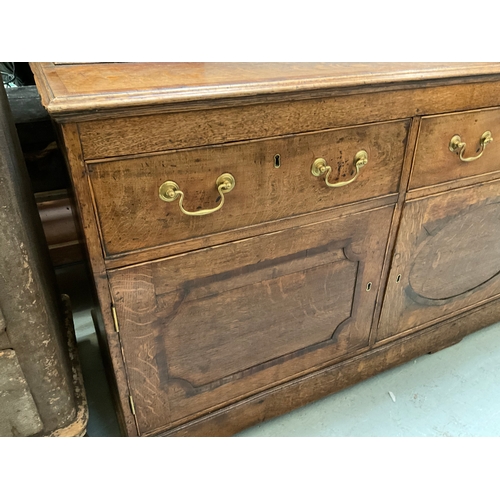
(88,87)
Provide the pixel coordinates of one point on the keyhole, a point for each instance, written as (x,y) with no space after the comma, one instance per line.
(277,161)
(369,286)
(398,278)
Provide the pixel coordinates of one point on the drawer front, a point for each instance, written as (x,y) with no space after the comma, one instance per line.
(207,328)
(132,216)
(435,163)
(447,258)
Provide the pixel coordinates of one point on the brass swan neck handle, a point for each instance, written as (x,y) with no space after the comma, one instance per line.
(457,146)
(170,191)
(319,167)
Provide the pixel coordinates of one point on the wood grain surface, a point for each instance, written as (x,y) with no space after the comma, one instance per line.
(276,401)
(175,248)
(292,290)
(76,88)
(220,121)
(86,216)
(211,326)
(132,216)
(435,163)
(448,257)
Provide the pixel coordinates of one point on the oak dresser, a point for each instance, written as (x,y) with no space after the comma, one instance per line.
(262,235)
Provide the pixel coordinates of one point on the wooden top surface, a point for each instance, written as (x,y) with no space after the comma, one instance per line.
(70,88)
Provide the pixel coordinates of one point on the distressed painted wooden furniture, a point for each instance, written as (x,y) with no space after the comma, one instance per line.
(262,235)
(41,389)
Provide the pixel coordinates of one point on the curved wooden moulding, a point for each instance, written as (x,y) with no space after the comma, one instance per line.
(460,256)
(223,322)
(447,256)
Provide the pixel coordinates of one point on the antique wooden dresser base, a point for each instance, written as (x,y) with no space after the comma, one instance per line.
(263,235)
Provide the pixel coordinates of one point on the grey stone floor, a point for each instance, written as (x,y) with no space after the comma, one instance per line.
(454,392)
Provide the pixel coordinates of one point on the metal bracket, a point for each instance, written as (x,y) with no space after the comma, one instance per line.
(115,319)
(132,406)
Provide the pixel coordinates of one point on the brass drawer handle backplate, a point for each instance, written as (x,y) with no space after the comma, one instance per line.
(457,146)
(319,167)
(170,191)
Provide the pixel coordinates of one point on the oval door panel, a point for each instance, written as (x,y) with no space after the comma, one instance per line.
(459,256)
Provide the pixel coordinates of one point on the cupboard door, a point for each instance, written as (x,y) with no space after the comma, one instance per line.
(447,258)
(206,328)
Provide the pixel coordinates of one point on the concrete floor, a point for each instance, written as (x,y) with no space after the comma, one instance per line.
(454,392)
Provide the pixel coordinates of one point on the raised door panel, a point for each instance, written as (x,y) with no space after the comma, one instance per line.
(204,329)
(447,258)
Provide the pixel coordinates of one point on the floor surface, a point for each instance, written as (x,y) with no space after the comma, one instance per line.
(454,392)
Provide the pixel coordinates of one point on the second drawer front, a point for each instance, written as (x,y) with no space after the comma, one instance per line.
(435,163)
(267,187)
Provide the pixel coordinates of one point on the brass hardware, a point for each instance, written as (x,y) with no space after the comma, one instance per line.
(170,191)
(132,406)
(319,167)
(368,286)
(398,278)
(277,161)
(115,319)
(457,146)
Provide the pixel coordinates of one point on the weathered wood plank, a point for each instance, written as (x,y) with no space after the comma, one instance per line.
(28,297)
(18,413)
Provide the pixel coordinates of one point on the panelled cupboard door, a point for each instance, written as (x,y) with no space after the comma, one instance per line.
(209,327)
(447,258)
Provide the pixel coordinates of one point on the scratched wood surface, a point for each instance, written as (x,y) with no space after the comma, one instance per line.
(448,257)
(18,413)
(278,400)
(86,217)
(78,88)
(220,123)
(435,163)
(228,319)
(207,327)
(132,216)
